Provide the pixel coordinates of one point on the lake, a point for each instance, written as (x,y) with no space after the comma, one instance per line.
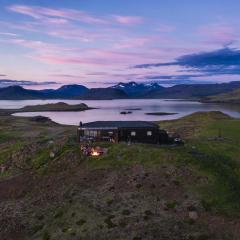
(110,109)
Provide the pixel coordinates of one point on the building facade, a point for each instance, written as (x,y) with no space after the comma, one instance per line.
(122,131)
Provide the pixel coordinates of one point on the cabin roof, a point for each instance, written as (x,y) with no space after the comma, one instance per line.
(119,124)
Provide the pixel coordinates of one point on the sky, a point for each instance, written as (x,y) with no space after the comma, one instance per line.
(100,43)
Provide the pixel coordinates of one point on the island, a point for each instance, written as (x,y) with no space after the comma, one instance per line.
(160,113)
(133,109)
(50,107)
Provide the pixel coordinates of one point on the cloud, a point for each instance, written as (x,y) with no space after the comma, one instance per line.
(66,75)
(9,82)
(63,15)
(221,34)
(3,75)
(58,15)
(174,77)
(218,62)
(128,20)
(8,34)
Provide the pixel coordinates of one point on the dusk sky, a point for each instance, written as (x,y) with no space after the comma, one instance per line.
(99,43)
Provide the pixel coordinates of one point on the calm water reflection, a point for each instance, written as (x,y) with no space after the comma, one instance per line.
(110,110)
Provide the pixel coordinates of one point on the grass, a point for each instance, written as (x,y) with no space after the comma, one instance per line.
(217,158)
(6,152)
(120,155)
(205,153)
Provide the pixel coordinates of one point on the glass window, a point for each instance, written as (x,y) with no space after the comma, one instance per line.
(93,133)
(149,133)
(86,133)
(90,133)
(133,134)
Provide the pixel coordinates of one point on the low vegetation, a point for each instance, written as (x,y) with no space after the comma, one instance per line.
(48,190)
(231,97)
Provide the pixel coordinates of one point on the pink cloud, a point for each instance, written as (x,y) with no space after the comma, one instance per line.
(45,13)
(60,16)
(128,20)
(57,59)
(222,34)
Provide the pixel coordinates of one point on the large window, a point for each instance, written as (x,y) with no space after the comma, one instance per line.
(90,133)
(149,133)
(133,134)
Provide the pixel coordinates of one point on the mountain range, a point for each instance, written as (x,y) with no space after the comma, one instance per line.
(121,91)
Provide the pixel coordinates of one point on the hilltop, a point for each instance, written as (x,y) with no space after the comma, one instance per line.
(49,190)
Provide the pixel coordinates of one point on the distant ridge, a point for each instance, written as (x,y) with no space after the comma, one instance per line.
(137,89)
(121,91)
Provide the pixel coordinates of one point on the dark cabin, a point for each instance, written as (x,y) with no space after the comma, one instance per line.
(122,131)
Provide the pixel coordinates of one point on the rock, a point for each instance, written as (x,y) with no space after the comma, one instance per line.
(51,142)
(193,215)
(41,119)
(52,154)
(2,169)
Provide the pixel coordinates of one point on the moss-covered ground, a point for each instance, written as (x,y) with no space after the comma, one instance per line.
(50,191)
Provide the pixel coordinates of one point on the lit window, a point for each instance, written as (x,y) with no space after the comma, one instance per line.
(133,134)
(93,133)
(149,133)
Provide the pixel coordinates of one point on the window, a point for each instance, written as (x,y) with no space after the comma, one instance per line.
(90,133)
(133,134)
(93,133)
(149,133)
(86,132)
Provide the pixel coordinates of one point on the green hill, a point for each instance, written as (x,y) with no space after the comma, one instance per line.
(49,190)
(231,97)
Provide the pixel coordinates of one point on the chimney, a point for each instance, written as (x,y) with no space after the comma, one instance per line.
(80,124)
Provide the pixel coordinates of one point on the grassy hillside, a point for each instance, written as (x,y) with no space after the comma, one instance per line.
(231,97)
(48,190)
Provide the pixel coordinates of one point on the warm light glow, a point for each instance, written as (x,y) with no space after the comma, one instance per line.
(95,153)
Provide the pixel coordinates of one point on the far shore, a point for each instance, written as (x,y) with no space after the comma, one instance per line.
(160,113)
(51,107)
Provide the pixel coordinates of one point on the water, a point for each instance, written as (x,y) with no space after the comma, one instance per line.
(110,109)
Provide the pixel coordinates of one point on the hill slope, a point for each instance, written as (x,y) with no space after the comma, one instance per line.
(231,97)
(103,94)
(19,93)
(65,92)
(49,190)
(194,91)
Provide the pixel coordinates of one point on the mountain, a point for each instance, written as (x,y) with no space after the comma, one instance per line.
(137,89)
(19,93)
(103,94)
(193,91)
(66,91)
(121,91)
(230,97)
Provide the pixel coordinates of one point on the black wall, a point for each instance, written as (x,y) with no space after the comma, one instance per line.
(141,135)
